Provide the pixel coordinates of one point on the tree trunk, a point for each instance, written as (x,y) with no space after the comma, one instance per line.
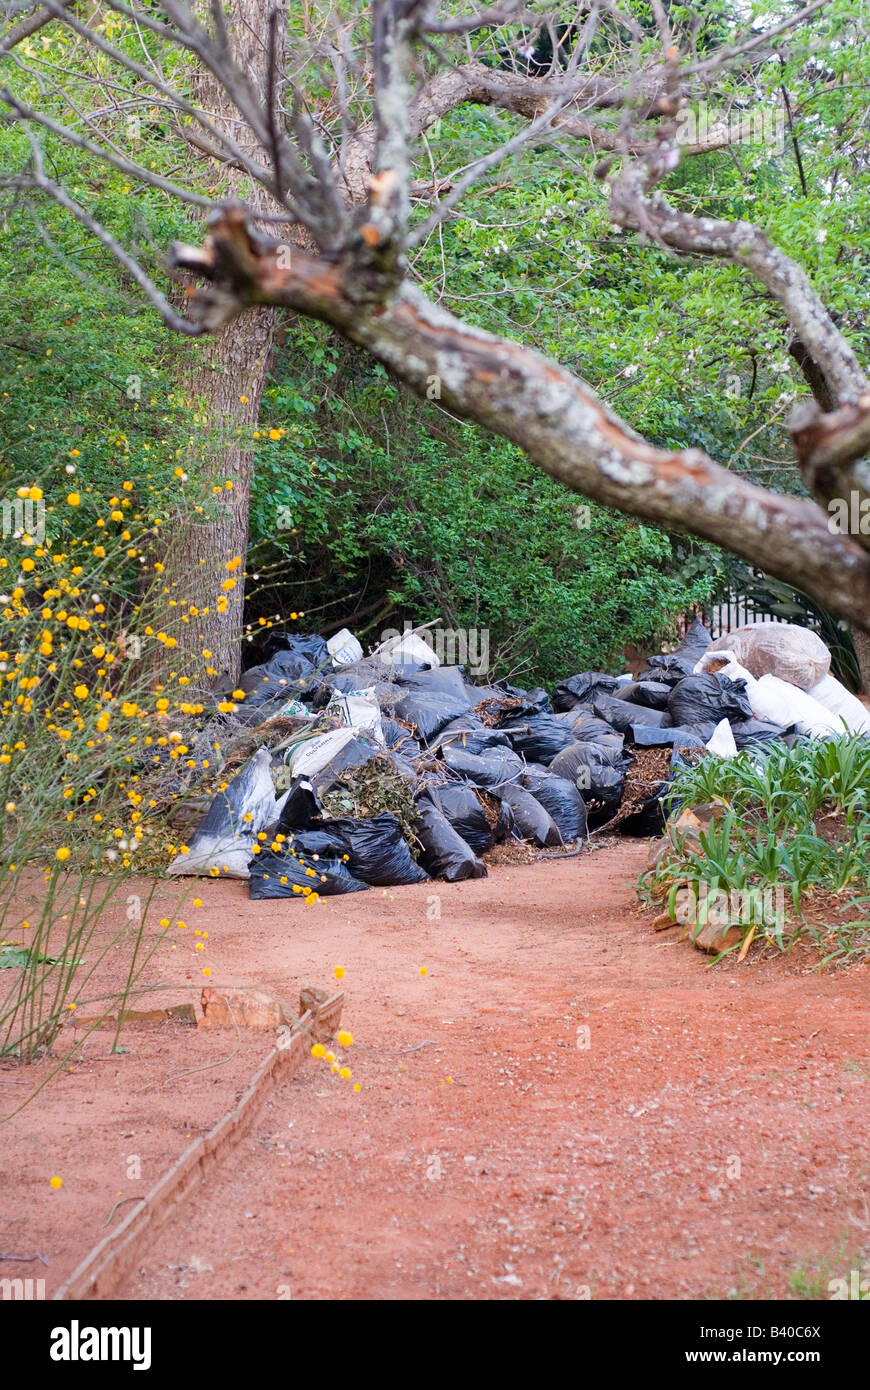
(224,380)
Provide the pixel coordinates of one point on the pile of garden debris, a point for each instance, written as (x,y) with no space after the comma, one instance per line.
(343,771)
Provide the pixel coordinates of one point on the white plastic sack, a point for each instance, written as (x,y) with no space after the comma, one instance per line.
(359,709)
(407,647)
(839,702)
(344,648)
(224,840)
(721,743)
(777,701)
(309,757)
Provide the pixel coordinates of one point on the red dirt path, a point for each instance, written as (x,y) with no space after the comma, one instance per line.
(712,1138)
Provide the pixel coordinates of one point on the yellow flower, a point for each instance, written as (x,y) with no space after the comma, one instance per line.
(329,1056)
(73,499)
(81,692)
(345,1073)
(63,854)
(338,972)
(318,1050)
(423,970)
(356,1086)
(345,1038)
(28,565)
(57,1182)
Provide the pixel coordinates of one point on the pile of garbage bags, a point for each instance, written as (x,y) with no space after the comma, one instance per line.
(394,769)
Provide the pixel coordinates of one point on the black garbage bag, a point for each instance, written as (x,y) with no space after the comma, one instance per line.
(321,841)
(312,647)
(490,769)
(534,701)
(282,677)
(470,732)
(444,854)
(398,740)
(588,728)
(749,733)
(533,821)
(582,689)
(377,852)
(708,699)
(458,803)
(598,772)
(538,737)
(446,680)
(300,806)
(652,694)
(432,699)
(648,736)
(560,797)
(285,876)
(688,653)
(619,714)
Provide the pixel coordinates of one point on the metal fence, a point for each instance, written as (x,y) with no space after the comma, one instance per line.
(734,611)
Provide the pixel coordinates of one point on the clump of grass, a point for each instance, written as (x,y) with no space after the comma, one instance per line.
(791,819)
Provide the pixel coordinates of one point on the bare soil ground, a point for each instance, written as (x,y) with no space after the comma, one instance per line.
(565,1105)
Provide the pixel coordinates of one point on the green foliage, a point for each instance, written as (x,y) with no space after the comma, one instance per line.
(796,818)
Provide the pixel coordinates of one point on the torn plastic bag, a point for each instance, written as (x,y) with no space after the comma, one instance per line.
(690,650)
(751,733)
(647,736)
(377,851)
(533,821)
(535,701)
(489,770)
(582,689)
(699,700)
(445,854)
(224,839)
(619,714)
(458,803)
(652,694)
(560,797)
(283,876)
(598,772)
(538,737)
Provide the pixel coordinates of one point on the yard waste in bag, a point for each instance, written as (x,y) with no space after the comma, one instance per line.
(376,850)
(619,714)
(223,840)
(791,653)
(274,875)
(690,651)
(708,699)
(597,772)
(429,701)
(491,769)
(533,821)
(444,854)
(783,703)
(582,689)
(538,737)
(839,702)
(458,804)
(560,798)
